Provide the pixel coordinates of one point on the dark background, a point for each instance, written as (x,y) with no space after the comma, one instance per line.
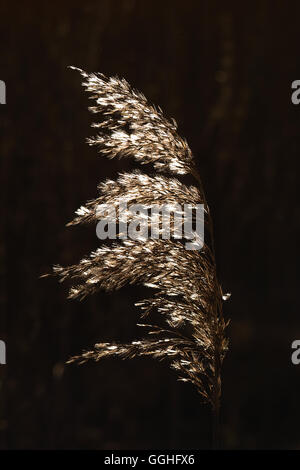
(225,74)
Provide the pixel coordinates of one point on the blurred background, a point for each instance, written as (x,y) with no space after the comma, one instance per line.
(223,70)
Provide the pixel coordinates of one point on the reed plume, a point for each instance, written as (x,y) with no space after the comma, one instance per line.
(187,292)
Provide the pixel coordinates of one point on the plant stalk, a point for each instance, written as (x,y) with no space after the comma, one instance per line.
(216,315)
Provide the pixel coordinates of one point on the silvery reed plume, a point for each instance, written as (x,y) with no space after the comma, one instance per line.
(187,292)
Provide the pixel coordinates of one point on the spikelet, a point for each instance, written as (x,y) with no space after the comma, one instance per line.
(137,188)
(187,293)
(135,128)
